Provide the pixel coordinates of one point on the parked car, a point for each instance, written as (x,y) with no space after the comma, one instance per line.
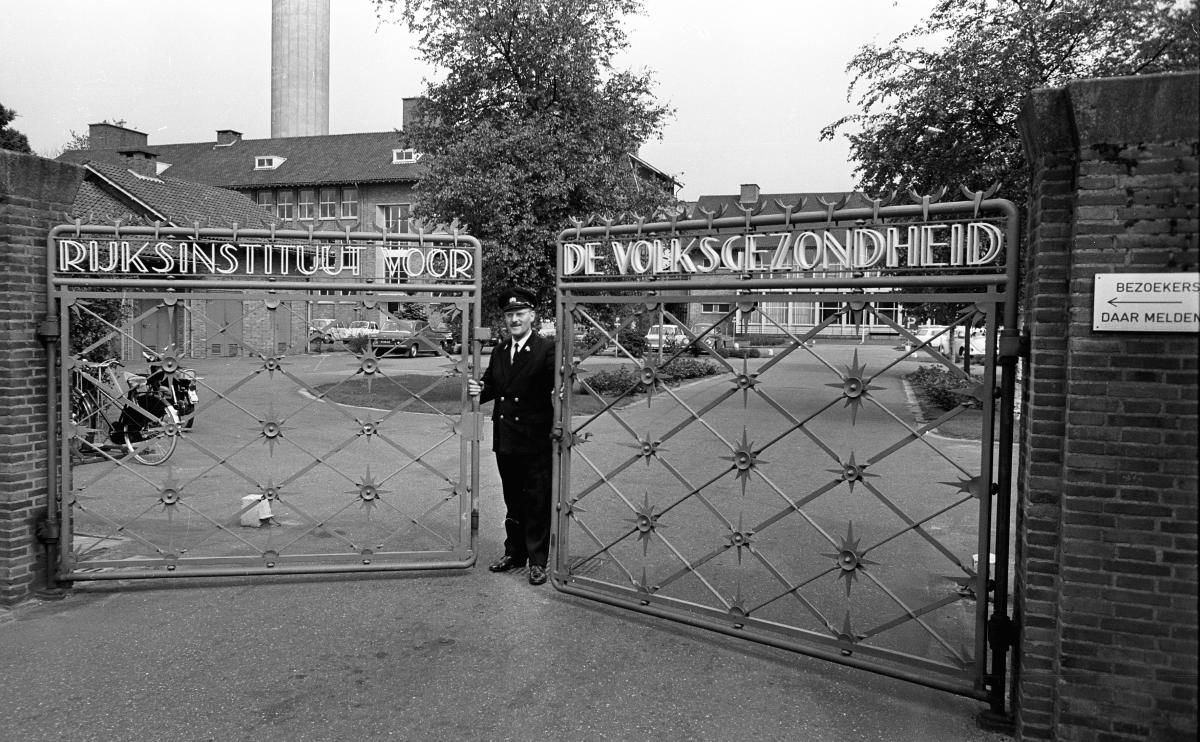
(935,337)
(326,331)
(363,328)
(978,344)
(714,342)
(400,336)
(665,337)
(412,337)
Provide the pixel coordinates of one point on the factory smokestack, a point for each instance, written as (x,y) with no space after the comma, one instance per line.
(299,68)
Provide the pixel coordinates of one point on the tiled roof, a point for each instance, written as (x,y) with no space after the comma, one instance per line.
(327,160)
(113,191)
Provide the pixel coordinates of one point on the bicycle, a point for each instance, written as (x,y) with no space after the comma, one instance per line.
(146,425)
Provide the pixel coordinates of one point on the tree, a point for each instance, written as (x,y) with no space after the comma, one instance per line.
(11,138)
(530,126)
(939,103)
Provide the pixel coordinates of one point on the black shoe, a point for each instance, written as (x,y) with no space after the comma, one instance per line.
(505,563)
(537,575)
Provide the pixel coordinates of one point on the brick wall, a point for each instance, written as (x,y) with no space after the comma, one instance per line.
(1107,517)
(34,195)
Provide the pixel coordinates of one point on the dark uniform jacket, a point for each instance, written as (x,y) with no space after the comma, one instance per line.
(524,413)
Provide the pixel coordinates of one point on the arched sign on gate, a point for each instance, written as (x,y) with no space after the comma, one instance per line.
(796,496)
(262,401)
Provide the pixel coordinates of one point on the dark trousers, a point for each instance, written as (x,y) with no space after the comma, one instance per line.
(526,480)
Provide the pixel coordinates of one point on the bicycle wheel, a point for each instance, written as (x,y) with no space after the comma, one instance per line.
(154,443)
(83,431)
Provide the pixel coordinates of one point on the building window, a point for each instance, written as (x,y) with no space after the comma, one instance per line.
(394,218)
(285,206)
(349,203)
(405,156)
(266,199)
(716,308)
(307,207)
(268,163)
(350,259)
(328,203)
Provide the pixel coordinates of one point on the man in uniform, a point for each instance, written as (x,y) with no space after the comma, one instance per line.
(520,378)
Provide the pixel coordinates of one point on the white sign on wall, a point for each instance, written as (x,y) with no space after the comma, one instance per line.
(1146,302)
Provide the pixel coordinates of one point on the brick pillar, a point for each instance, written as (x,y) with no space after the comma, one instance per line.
(1107,515)
(34,195)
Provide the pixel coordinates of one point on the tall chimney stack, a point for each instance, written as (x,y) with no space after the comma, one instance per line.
(299,68)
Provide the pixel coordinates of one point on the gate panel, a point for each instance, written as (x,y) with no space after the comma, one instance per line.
(299,455)
(797,497)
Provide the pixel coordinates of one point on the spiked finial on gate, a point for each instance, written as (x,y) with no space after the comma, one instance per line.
(832,206)
(926,200)
(977,197)
(788,209)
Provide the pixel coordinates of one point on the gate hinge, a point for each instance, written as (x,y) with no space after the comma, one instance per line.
(48,331)
(47,531)
(1002,632)
(1013,344)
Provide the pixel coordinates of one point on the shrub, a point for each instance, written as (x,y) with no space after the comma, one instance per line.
(593,337)
(356,344)
(633,340)
(687,368)
(612,381)
(938,384)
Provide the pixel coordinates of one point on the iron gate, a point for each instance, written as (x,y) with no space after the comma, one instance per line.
(799,497)
(331,430)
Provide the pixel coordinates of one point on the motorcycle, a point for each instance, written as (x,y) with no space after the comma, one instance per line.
(179,389)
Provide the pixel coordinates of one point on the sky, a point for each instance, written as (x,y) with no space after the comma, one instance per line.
(752,82)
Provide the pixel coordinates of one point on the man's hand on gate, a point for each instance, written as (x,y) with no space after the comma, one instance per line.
(474,387)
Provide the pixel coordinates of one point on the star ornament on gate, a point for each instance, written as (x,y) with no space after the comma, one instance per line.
(368,365)
(646,447)
(169,495)
(271,364)
(745,381)
(851,471)
(645,522)
(855,387)
(850,558)
(739,539)
(271,428)
(744,459)
(974,486)
(368,491)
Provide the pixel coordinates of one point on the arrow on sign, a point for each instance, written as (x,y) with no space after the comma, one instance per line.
(1114,301)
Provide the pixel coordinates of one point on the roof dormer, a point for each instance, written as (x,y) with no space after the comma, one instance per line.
(268,162)
(405,156)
